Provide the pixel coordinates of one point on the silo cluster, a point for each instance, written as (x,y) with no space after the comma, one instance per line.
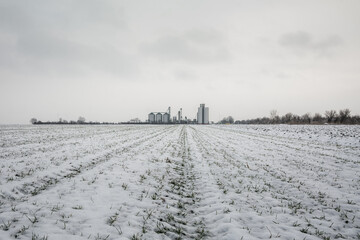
(159,117)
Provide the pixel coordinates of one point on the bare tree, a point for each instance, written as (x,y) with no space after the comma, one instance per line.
(81,120)
(330,115)
(274,116)
(306,118)
(33,120)
(317,118)
(355,119)
(288,118)
(228,119)
(344,115)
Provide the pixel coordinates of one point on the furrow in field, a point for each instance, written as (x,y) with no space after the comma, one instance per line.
(58,196)
(46,146)
(281,186)
(288,162)
(292,159)
(329,149)
(218,208)
(34,185)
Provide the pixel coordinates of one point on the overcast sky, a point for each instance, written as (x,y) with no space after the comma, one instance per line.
(117,60)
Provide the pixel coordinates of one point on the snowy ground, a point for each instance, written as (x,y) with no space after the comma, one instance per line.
(179,182)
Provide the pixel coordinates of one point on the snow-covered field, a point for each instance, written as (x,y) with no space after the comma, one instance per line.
(179,182)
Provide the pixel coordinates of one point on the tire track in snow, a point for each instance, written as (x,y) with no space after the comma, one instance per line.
(216,208)
(176,215)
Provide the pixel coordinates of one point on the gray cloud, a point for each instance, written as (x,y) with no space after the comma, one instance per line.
(208,37)
(195,46)
(60,15)
(44,54)
(305,42)
(185,75)
(63,37)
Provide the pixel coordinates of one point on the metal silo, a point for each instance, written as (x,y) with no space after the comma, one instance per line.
(151,117)
(166,118)
(158,118)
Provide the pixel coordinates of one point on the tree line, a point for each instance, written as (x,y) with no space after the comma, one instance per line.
(81,120)
(329,117)
(227,120)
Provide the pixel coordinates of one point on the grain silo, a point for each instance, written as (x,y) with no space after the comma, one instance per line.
(151,118)
(203,114)
(158,118)
(166,118)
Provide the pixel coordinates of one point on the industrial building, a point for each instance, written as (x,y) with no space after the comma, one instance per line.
(180,115)
(203,114)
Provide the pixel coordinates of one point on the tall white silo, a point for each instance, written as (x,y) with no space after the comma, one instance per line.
(203,114)
(206,115)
